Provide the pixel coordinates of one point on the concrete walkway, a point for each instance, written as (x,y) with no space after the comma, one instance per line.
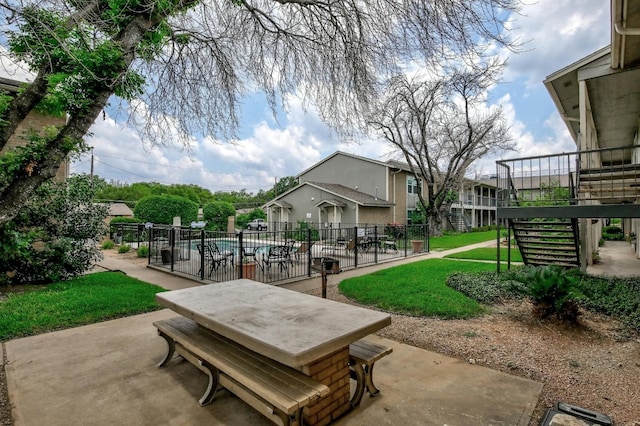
(105,374)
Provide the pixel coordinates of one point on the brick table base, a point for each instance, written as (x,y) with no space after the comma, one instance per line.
(333,371)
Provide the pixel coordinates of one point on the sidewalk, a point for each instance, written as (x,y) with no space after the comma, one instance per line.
(104,374)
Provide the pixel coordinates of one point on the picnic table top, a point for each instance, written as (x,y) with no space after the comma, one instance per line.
(291,327)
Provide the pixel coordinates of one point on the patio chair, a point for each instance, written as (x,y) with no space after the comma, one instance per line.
(214,257)
(277,255)
(303,249)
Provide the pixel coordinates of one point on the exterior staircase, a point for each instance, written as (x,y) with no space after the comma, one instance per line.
(547,241)
(459,222)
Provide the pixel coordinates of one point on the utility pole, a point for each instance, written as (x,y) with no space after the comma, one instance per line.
(91,175)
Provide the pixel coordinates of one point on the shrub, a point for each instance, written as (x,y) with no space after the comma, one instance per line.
(108,244)
(619,297)
(487,287)
(554,291)
(612,230)
(217,213)
(55,235)
(301,233)
(121,219)
(124,248)
(163,208)
(143,251)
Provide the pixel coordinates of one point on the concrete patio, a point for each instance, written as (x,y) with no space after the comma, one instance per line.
(104,374)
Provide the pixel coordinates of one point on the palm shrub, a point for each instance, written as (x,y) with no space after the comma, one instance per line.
(553,291)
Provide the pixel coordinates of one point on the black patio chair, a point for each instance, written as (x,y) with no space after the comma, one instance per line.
(280,256)
(214,257)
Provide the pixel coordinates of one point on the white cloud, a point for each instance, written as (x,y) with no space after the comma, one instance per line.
(557,33)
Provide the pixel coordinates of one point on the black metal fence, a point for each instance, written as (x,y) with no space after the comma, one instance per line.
(271,256)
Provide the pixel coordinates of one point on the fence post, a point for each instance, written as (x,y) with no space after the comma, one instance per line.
(406,240)
(355,247)
(376,242)
(309,252)
(150,231)
(240,253)
(202,254)
(428,237)
(172,246)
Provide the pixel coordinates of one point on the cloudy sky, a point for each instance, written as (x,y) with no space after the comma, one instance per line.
(558,33)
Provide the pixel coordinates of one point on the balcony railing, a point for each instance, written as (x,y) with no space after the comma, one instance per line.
(609,175)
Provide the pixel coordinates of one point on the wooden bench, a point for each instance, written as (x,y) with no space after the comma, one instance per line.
(363,354)
(275,390)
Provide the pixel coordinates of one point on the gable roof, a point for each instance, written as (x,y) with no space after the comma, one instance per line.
(335,154)
(337,190)
(358,197)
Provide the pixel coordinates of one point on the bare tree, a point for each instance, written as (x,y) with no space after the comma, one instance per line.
(177,68)
(440,125)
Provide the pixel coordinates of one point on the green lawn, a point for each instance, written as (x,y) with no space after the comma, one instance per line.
(417,288)
(447,242)
(487,253)
(85,300)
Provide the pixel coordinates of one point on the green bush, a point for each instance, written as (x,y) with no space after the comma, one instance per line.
(612,230)
(124,248)
(217,213)
(487,287)
(55,236)
(619,297)
(301,233)
(143,251)
(162,209)
(554,291)
(108,244)
(121,219)
(617,236)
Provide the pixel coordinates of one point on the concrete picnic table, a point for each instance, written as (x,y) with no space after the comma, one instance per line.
(299,330)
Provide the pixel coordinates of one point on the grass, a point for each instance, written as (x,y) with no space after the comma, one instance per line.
(487,253)
(417,288)
(447,242)
(89,299)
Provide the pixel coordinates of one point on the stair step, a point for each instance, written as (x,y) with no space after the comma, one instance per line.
(528,248)
(560,256)
(563,229)
(541,238)
(539,223)
(550,258)
(532,240)
(567,265)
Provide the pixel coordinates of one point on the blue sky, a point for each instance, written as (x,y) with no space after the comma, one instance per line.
(558,34)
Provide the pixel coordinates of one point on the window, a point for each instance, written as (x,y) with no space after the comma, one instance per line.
(413,185)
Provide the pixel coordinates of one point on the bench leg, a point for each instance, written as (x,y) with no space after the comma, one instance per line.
(171,344)
(363,375)
(357,373)
(212,388)
(368,380)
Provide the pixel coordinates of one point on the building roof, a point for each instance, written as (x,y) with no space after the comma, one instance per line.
(119,209)
(369,160)
(358,197)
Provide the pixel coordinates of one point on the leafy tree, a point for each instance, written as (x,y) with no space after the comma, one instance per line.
(436,124)
(178,67)
(55,236)
(217,213)
(163,208)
